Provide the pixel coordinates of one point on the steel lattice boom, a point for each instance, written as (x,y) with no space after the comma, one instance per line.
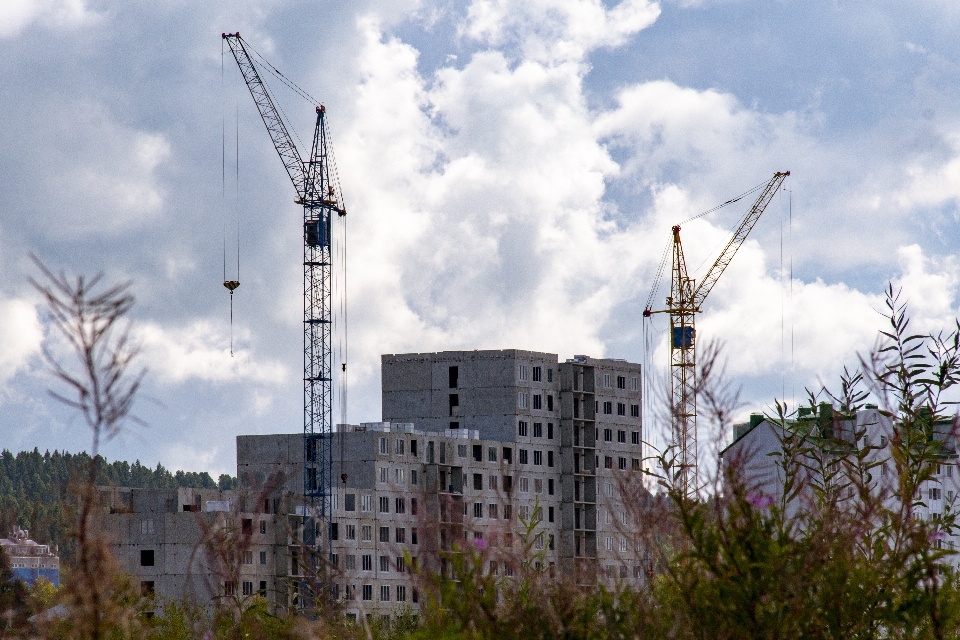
(318,193)
(683,303)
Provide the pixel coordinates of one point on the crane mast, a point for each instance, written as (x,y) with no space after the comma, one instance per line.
(683,303)
(318,195)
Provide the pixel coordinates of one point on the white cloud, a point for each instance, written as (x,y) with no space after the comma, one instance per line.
(20,336)
(201,352)
(16,15)
(554,30)
(117,187)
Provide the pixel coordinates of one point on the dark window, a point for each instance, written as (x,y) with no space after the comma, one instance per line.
(384,534)
(635,462)
(454,425)
(263,588)
(621,409)
(621,382)
(334,531)
(454,373)
(550,514)
(550,459)
(608,435)
(491,454)
(477,509)
(576,407)
(549,431)
(549,403)
(537,429)
(229,588)
(247,588)
(507,455)
(608,408)
(401,505)
(508,483)
(538,457)
(635,437)
(607,462)
(634,411)
(367,591)
(350,502)
(523,456)
(478,482)
(413,448)
(478,452)
(413,506)
(522,428)
(263,527)
(266,505)
(454,401)
(384,504)
(400,535)
(538,402)
(537,374)
(246,526)
(146,557)
(367,563)
(621,436)
(550,489)
(549,375)
(621,463)
(384,564)
(413,536)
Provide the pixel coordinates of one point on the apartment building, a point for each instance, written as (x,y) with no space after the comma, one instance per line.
(478,448)
(756,445)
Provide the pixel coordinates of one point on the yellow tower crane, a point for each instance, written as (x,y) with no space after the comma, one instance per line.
(684,302)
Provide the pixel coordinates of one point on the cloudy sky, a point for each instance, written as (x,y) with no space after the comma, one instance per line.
(511,169)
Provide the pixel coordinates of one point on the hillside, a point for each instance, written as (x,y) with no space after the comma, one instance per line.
(35,488)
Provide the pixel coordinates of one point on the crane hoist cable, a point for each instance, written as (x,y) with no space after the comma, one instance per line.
(231,285)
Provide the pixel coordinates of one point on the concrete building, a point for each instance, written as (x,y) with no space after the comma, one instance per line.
(474,446)
(30,560)
(757,442)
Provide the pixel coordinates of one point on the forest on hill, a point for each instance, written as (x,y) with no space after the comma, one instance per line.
(36,488)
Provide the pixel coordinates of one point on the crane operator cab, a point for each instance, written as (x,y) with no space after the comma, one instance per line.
(316,232)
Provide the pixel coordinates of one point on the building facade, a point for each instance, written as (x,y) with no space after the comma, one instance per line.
(494,449)
(757,444)
(30,560)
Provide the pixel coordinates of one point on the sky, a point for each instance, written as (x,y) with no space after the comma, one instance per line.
(511,171)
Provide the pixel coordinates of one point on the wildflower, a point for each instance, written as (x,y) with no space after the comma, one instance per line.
(759,501)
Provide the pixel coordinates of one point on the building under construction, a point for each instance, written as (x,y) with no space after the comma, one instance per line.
(493,449)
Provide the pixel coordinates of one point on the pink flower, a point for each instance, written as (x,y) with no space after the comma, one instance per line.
(759,501)
(479,543)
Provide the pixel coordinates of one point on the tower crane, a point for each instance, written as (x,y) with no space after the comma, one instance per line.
(319,194)
(684,302)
